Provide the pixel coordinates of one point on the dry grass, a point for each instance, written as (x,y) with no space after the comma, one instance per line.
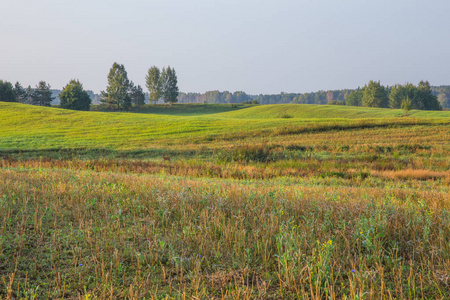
(74,233)
(413,174)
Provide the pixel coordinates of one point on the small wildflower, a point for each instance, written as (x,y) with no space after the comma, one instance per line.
(80,265)
(353,270)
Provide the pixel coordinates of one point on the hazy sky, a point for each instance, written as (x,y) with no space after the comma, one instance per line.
(258,46)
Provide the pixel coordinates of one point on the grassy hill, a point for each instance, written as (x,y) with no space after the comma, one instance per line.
(310,111)
(32,127)
(274,111)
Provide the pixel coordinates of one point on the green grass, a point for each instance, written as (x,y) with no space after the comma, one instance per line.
(29,127)
(310,111)
(284,111)
(182,109)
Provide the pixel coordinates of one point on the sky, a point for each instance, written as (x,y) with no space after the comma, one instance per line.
(256,46)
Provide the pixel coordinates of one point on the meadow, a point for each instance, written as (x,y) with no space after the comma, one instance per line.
(256,202)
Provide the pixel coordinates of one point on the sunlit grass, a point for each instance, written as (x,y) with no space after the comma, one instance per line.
(30,127)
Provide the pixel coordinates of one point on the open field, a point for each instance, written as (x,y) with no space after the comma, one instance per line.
(256,202)
(23,128)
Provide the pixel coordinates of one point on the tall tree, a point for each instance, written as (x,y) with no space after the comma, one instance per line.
(116,95)
(425,97)
(20,92)
(73,96)
(240,96)
(137,95)
(153,83)
(399,93)
(7,92)
(169,85)
(374,95)
(421,96)
(29,96)
(355,98)
(42,95)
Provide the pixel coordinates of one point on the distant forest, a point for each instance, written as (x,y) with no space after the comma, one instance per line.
(321,97)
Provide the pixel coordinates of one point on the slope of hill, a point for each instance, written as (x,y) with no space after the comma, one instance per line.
(31,127)
(312,111)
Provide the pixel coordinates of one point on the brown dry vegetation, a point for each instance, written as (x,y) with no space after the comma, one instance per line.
(117,235)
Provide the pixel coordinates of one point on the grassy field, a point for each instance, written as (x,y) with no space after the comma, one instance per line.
(256,202)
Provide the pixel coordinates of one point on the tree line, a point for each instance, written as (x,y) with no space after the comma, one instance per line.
(41,95)
(443,94)
(218,97)
(407,96)
(320,97)
(122,94)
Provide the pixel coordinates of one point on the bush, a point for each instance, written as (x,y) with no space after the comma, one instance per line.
(285,116)
(248,153)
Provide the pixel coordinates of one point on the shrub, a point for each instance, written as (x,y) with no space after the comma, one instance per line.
(285,116)
(248,153)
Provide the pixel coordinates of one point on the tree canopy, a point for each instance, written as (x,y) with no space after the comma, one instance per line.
(374,95)
(42,95)
(169,85)
(425,98)
(116,94)
(137,95)
(20,92)
(153,83)
(73,96)
(7,92)
(355,98)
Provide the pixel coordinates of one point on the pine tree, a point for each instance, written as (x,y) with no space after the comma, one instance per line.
(42,95)
(20,92)
(137,95)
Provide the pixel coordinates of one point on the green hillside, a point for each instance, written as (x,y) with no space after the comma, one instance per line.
(31,127)
(274,111)
(310,111)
